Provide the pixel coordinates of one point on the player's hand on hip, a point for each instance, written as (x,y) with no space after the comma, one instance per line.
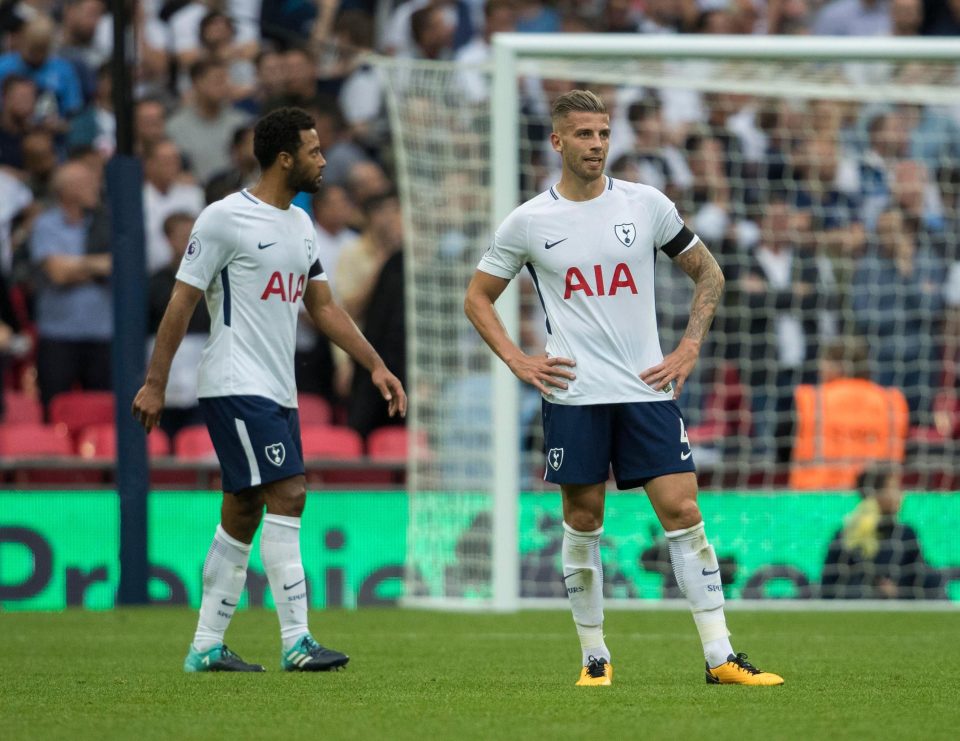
(391,389)
(675,367)
(543,372)
(148,406)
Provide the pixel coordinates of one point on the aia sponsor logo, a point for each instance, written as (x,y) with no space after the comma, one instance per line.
(594,283)
(287,292)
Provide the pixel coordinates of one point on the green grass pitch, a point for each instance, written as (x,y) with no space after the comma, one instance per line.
(435,676)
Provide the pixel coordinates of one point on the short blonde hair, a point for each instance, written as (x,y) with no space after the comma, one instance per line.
(576,101)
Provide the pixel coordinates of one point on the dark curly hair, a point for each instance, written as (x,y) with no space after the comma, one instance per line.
(279,131)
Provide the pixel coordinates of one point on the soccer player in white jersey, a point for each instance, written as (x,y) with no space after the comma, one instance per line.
(590,243)
(253,257)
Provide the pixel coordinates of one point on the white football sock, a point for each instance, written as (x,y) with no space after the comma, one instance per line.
(280,553)
(224,574)
(698,575)
(583,580)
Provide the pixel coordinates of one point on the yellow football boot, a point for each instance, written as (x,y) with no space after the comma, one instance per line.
(737,670)
(597,673)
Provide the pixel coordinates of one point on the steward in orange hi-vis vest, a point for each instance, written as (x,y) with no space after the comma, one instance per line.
(842,425)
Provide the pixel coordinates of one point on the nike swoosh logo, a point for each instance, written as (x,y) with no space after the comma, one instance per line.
(573,574)
(264,246)
(709,573)
(291,586)
(684,456)
(228,604)
(548,245)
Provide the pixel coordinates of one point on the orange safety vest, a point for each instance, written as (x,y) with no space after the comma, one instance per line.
(842,425)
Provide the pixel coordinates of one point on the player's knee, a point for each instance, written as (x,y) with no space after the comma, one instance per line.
(583,520)
(288,497)
(686,513)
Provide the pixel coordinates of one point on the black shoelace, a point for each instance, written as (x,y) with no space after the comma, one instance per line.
(595,667)
(741,661)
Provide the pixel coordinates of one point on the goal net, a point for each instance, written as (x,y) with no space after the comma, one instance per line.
(825,177)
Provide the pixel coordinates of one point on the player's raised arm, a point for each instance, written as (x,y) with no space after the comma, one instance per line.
(540,371)
(335,323)
(700,265)
(148,403)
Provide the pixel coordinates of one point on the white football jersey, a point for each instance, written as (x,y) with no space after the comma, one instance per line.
(593,265)
(253,261)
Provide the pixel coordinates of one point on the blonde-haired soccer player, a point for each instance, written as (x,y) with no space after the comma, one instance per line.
(609,394)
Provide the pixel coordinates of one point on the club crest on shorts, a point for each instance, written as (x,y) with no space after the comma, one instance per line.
(555,458)
(276,454)
(626,233)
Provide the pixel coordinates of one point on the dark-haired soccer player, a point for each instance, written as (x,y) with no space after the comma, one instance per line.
(253,257)
(590,243)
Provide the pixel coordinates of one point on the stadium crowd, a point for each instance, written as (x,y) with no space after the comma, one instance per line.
(831,219)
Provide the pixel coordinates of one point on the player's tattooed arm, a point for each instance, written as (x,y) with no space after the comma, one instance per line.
(698,263)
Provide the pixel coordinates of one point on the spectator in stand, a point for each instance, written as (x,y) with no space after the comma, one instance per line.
(365,180)
(333,213)
(185,23)
(60,92)
(918,200)
(18,100)
(77,42)
(243,171)
(39,162)
(941,18)
(361,93)
(339,149)
(620,16)
(398,38)
(888,145)
(300,78)
(203,129)
(853,18)
(149,123)
(535,16)
(74,308)
(270,84)
(218,40)
(500,16)
(933,137)
(165,192)
(432,29)
(875,555)
(898,308)
(16,204)
(181,406)
(359,265)
(385,328)
(96,125)
(906,17)
(778,292)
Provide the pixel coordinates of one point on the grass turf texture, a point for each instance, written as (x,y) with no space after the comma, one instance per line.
(105,675)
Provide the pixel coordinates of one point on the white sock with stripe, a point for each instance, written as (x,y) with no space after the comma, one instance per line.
(224,574)
(698,576)
(583,580)
(280,553)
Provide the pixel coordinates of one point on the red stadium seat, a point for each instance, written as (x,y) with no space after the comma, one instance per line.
(314,409)
(38,441)
(194,443)
(99,442)
(392,443)
(32,440)
(20,408)
(79,409)
(328,441)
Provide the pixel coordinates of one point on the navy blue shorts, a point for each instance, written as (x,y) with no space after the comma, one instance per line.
(257,440)
(642,440)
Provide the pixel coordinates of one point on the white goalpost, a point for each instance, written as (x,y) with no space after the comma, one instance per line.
(737,131)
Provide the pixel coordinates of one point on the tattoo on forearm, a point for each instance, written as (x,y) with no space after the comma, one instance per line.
(700,265)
